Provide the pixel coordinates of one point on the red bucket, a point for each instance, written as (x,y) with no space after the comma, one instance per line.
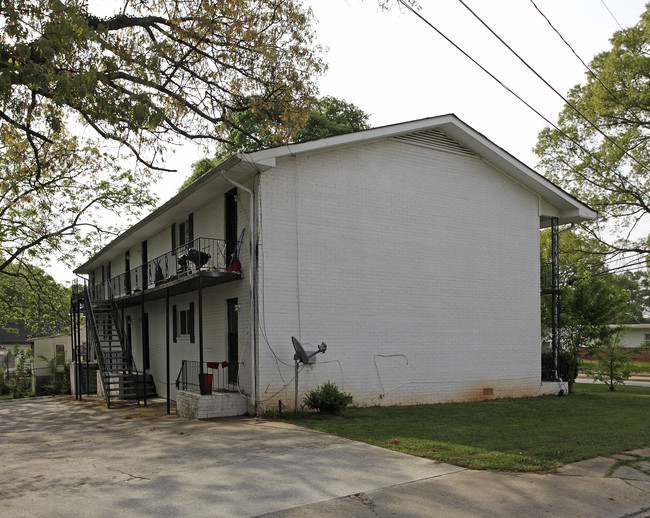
(206,384)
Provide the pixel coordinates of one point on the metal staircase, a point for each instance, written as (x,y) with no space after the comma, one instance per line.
(121,382)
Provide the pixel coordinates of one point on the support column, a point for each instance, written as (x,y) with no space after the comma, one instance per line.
(77,331)
(73,335)
(200,333)
(142,333)
(167,346)
(555,295)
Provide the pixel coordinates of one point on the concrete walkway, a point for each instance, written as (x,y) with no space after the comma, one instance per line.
(60,457)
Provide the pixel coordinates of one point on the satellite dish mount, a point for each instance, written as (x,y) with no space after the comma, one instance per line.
(306,358)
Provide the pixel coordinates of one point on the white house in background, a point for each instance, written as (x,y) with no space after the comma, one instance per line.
(383,243)
(57,346)
(635,335)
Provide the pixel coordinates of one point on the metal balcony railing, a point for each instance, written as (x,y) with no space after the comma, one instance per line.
(214,377)
(203,253)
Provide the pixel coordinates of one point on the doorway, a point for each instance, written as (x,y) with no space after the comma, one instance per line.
(233,340)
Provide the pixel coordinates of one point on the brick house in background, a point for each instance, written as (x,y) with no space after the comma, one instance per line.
(412,250)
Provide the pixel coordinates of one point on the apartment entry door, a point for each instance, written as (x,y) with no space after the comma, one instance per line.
(233,340)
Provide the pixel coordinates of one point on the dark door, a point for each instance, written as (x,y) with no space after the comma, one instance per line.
(231,224)
(129,334)
(145,342)
(233,341)
(145,260)
(127,270)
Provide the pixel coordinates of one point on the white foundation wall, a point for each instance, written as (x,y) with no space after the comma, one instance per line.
(419,269)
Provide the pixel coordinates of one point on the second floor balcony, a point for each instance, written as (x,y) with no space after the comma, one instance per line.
(216,260)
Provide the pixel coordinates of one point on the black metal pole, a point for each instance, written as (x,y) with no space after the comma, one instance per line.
(167,346)
(78,331)
(72,342)
(87,354)
(555,297)
(200,333)
(295,402)
(144,372)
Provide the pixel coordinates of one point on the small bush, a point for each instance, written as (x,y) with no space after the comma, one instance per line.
(4,387)
(565,370)
(327,399)
(59,382)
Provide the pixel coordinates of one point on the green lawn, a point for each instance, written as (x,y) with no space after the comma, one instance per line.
(536,434)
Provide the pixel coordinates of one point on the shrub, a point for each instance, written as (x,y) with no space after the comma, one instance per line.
(327,399)
(20,384)
(565,368)
(59,375)
(4,388)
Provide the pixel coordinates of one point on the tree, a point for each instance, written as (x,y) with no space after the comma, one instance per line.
(602,154)
(31,298)
(141,78)
(613,362)
(20,384)
(578,248)
(588,307)
(329,116)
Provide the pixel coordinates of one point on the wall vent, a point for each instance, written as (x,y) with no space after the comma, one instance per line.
(435,139)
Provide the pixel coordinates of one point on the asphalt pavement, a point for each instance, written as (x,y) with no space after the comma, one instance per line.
(61,457)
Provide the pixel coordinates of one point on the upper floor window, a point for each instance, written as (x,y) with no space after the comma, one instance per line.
(183,232)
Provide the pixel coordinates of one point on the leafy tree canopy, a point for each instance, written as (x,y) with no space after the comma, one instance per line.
(30,297)
(582,254)
(611,173)
(152,72)
(589,307)
(329,116)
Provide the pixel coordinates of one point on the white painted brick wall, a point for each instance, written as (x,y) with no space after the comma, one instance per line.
(208,222)
(195,406)
(419,268)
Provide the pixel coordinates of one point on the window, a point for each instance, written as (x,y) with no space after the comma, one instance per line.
(183,323)
(60,357)
(183,232)
(647,337)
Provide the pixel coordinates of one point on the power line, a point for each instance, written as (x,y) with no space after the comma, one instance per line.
(611,14)
(503,85)
(539,76)
(587,67)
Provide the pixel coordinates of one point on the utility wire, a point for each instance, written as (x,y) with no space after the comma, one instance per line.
(611,14)
(566,101)
(587,67)
(503,85)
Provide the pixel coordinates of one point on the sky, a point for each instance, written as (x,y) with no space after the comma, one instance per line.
(396,68)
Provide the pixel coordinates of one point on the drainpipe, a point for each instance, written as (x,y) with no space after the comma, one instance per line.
(252,283)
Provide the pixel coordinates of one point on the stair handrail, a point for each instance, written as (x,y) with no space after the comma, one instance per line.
(90,315)
(121,334)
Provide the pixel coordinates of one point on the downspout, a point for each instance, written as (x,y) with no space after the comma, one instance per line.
(253,271)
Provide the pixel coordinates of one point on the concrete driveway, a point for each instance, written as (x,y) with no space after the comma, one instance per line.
(60,457)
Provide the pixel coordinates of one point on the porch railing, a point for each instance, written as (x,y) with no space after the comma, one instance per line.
(213,379)
(200,254)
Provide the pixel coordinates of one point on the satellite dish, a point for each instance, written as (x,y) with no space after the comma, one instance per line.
(303,356)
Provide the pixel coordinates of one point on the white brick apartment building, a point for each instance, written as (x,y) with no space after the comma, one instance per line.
(412,250)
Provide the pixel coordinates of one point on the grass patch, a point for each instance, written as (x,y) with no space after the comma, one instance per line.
(536,434)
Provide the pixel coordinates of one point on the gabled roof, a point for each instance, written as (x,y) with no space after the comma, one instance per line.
(461,138)
(446,132)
